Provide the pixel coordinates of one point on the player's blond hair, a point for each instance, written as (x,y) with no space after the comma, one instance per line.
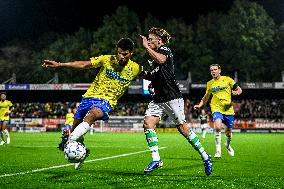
(163,34)
(219,67)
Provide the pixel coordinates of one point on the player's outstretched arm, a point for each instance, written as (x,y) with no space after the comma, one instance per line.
(202,101)
(9,111)
(198,106)
(75,64)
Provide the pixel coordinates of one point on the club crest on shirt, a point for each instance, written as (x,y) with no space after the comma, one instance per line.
(150,62)
(128,71)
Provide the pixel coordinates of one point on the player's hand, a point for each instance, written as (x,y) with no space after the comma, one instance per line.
(144,40)
(235,93)
(50,64)
(197,107)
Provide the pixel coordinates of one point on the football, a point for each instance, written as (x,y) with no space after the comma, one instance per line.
(74,152)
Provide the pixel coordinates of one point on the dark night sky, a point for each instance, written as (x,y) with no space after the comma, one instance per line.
(30,18)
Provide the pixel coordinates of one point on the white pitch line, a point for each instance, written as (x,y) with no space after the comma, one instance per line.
(72,164)
(88,146)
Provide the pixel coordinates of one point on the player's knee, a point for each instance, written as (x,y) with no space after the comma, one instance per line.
(96,111)
(148,124)
(228,133)
(93,115)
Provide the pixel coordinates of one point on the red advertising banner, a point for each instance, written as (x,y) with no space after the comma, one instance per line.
(52,121)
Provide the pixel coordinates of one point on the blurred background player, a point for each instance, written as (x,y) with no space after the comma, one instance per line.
(166,99)
(151,89)
(221,88)
(114,77)
(203,122)
(5,110)
(69,119)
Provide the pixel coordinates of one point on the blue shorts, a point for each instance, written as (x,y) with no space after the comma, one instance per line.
(228,120)
(67,126)
(88,103)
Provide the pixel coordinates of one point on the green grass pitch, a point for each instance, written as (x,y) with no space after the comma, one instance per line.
(117,160)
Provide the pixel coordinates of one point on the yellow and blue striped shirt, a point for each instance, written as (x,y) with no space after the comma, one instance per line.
(221,89)
(113,79)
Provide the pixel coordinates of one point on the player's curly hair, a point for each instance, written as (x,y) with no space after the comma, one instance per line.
(163,34)
(125,44)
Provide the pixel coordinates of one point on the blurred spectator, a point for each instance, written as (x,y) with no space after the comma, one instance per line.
(271,109)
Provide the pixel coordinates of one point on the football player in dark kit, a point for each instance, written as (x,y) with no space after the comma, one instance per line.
(167,98)
(203,117)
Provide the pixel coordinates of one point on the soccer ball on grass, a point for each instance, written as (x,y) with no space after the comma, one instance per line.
(74,152)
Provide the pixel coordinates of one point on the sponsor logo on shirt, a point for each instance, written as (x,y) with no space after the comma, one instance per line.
(115,75)
(217,89)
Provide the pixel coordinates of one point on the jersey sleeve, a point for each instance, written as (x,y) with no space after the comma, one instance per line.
(10,104)
(137,69)
(97,62)
(208,86)
(165,51)
(140,69)
(231,82)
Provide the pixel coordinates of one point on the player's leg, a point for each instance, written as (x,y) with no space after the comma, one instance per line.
(5,131)
(175,110)
(217,118)
(193,139)
(151,119)
(65,135)
(89,110)
(96,110)
(78,133)
(92,115)
(1,134)
(229,122)
(68,129)
(152,141)
(203,128)
(76,122)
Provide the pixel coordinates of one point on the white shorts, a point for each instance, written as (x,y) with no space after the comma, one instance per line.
(174,109)
(204,126)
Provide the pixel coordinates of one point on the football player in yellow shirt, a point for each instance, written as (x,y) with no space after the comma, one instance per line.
(221,88)
(114,77)
(5,110)
(69,119)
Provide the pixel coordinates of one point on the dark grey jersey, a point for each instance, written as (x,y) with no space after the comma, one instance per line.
(163,78)
(203,119)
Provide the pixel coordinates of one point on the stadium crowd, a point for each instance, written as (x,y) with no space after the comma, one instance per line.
(271,109)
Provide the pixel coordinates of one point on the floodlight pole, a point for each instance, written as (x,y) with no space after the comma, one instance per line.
(12,80)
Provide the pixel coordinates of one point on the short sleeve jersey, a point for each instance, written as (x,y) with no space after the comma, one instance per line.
(4,108)
(221,90)
(69,118)
(113,79)
(163,78)
(203,118)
